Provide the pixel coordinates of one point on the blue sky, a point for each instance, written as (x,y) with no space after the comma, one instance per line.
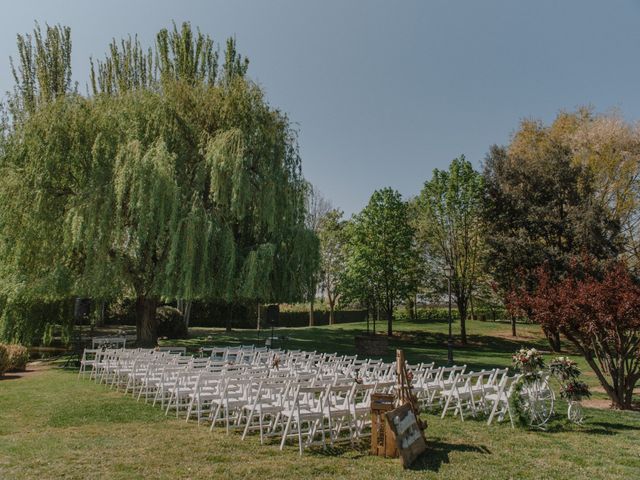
(384,92)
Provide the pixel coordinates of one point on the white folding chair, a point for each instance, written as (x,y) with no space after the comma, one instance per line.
(500,399)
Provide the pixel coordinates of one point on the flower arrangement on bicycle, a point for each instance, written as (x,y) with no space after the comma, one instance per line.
(572,389)
(529,361)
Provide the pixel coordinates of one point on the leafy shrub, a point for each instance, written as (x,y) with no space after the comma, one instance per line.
(31,323)
(171,323)
(47,336)
(18,357)
(4,359)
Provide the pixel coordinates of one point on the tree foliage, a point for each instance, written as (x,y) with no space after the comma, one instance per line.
(43,69)
(541,207)
(380,254)
(317,207)
(331,233)
(450,228)
(599,313)
(176,187)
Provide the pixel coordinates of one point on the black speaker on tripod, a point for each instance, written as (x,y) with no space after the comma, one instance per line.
(81,310)
(271,318)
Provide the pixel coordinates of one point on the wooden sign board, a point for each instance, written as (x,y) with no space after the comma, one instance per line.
(408,435)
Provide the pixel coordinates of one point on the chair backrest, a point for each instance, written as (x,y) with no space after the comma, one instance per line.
(199,362)
(496,376)
(90,354)
(507,385)
(117,342)
(177,350)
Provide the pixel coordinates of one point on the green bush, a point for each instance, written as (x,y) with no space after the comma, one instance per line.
(4,359)
(18,357)
(171,323)
(29,323)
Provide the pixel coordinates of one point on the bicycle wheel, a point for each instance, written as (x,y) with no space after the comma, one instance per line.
(538,401)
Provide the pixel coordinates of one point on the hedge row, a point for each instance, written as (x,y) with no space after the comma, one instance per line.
(239,316)
(441,314)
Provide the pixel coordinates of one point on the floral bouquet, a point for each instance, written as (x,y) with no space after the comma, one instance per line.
(564,369)
(575,390)
(528,361)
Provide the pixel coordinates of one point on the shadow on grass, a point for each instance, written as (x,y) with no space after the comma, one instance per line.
(608,428)
(438,453)
(361,449)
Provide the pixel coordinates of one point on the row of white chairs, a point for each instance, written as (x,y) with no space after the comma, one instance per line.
(286,394)
(314,397)
(454,389)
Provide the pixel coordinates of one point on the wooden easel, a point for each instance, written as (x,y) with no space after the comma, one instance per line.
(404,393)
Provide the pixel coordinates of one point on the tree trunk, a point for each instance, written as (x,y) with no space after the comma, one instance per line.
(376,318)
(554,340)
(229,314)
(611,389)
(368,312)
(462,312)
(409,308)
(312,320)
(258,317)
(390,322)
(146,324)
(513,326)
(101,314)
(332,311)
(187,313)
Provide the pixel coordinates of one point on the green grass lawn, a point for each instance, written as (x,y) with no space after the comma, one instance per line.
(55,426)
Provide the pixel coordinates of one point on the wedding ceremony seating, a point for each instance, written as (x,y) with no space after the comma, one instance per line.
(310,398)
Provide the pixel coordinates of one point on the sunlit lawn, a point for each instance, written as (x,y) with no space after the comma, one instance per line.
(55,426)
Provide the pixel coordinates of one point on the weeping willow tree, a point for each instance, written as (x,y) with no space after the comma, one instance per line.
(174,179)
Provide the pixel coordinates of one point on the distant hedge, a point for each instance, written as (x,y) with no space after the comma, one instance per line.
(441,314)
(213,314)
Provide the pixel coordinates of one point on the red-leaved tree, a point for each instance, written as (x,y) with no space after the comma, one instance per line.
(599,314)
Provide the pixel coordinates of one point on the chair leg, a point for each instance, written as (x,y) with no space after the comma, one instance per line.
(510,416)
(493,412)
(261,427)
(446,405)
(285,432)
(300,436)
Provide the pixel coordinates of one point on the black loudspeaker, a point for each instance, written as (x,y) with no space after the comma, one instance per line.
(272,315)
(81,310)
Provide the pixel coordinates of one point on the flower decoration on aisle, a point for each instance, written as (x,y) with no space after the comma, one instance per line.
(528,361)
(563,368)
(575,391)
(567,373)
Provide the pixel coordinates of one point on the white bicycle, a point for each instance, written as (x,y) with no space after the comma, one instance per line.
(538,400)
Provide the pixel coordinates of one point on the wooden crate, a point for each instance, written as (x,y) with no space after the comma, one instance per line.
(383,442)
